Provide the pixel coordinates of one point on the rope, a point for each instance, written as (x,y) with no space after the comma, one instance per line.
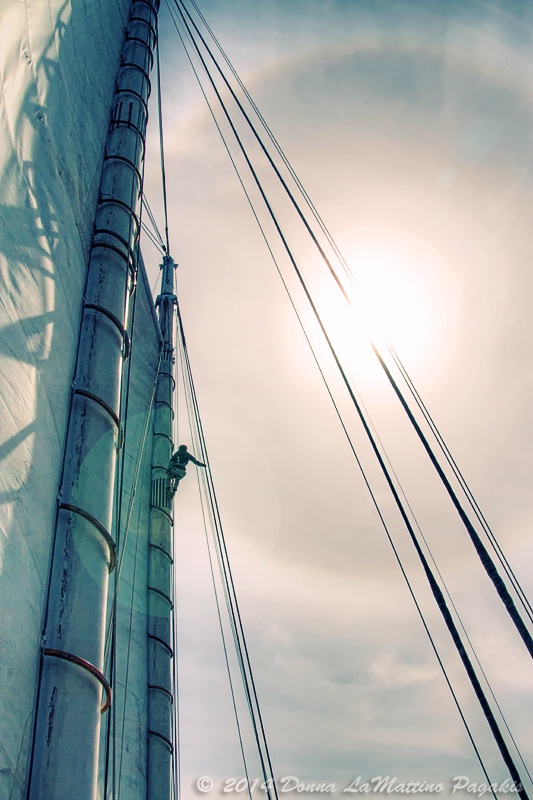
(481,550)
(232,601)
(464,485)
(197,446)
(161,144)
(152,219)
(277,146)
(160,247)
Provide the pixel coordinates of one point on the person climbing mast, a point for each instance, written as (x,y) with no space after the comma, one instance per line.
(177,466)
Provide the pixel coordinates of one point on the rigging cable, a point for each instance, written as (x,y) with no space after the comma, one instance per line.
(213,523)
(388,534)
(437,592)
(151,217)
(161,145)
(457,472)
(157,244)
(485,558)
(203,503)
(233,607)
(462,481)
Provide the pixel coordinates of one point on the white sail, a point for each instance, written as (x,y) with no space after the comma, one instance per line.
(57,86)
(129,690)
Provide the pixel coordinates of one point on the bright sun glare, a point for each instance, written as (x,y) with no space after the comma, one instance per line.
(397,297)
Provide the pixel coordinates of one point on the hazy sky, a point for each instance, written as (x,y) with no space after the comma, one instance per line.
(409,124)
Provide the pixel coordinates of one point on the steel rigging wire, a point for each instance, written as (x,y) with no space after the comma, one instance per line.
(433,584)
(230,592)
(434,429)
(187,380)
(207,512)
(412,388)
(485,558)
(460,478)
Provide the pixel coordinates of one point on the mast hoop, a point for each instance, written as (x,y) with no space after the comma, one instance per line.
(164,403)
(123,123)
(148,24)
(86,665)
(162,594)
(161,641)
(125,63)
(164,738)
(102,530)
(155,686)
(116,157)
(116,322)
(129,259)
(162,549)
(165,436)
(165,513)
(106,407)
(163,374)
(124,90)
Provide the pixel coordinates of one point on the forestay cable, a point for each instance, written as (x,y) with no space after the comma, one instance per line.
(480,548)
(471,499)
(464,485)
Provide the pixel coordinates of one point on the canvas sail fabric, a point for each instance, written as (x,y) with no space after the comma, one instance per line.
(129,691)
(56,89)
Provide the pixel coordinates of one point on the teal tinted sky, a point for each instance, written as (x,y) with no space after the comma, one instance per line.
(410,126)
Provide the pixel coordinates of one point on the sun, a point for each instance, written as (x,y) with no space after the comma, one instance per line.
(394,291)
(399,296)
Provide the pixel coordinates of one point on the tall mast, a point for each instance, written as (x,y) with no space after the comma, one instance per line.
(160,559)
(73,692)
